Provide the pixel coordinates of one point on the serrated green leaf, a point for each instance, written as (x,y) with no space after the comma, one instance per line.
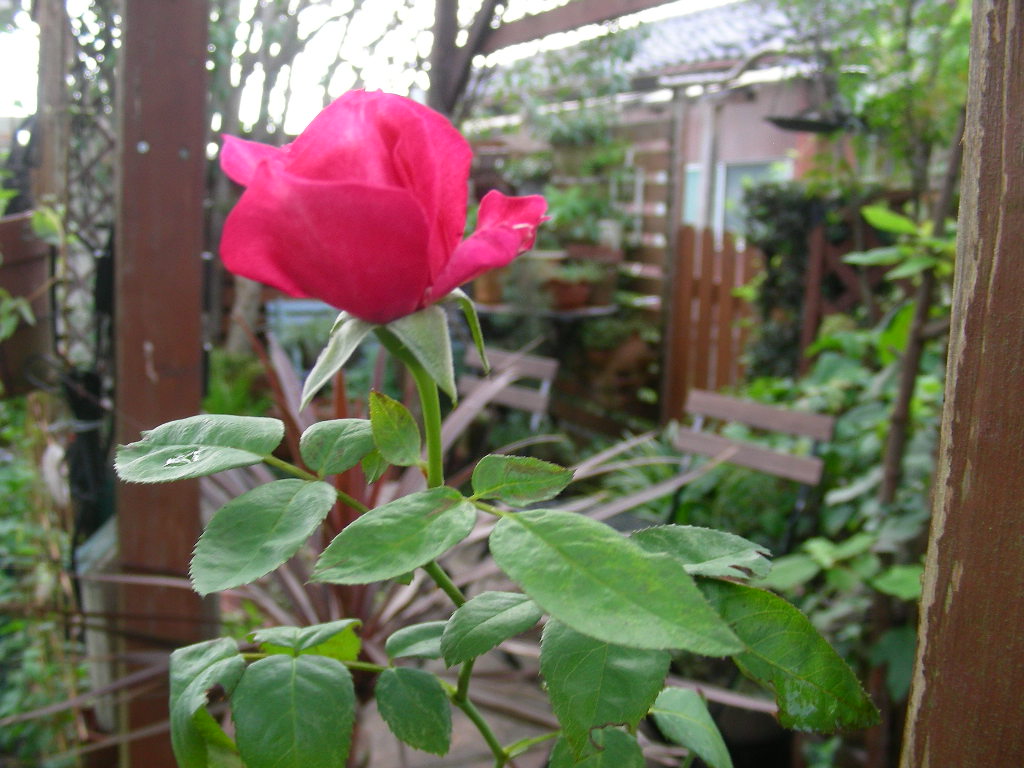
(415,708)
(374,466)
(586,575)
(683,717)
(592,683)
(706,552)
(346,335)
(611,748)
(395,432)
(900,581)
(294,713)
(485,621)
(473,321)
(518,479)
(196,669)
(814,688)
(880,217)
(422,641)
(255,533)
(425,335)
(336,639)
(391,540)
(330,447)
(198,446)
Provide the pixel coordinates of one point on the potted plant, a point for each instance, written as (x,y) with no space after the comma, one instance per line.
(570,283)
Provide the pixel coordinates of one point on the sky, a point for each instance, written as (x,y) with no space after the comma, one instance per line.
(19,53)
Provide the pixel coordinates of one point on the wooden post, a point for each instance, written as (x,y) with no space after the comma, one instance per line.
(158,282)
(966,704)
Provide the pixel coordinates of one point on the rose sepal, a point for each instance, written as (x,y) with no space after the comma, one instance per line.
(425,336)
(346,335)
(468,308)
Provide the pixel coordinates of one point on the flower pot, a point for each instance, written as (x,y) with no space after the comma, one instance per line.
(24,272)
(568,295)
(488,288)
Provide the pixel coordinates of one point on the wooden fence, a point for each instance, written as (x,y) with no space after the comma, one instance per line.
(707,323)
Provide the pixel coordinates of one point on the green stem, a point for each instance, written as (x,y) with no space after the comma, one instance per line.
(500,755)
(302,474)
(444,581)
(430,406)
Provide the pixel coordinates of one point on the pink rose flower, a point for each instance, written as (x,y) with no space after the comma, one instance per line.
(366,209)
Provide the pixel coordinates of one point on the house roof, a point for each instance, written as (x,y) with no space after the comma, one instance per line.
(710,39)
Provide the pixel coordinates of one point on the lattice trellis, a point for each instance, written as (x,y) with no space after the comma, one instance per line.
(84,291)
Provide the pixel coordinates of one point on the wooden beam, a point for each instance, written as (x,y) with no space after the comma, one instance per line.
(568,17)
(162,113)
(965,707)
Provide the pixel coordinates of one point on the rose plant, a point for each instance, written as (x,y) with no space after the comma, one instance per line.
(365,210)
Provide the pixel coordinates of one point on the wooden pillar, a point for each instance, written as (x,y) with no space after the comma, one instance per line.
(162,114)
(967,705)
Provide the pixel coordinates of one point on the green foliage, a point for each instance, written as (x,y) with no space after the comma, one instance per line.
(683,716)
(234,385)
(592,683)
(618,608)
(34,653)
(485,621)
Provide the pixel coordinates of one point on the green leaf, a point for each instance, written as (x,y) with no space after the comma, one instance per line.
(395,432)
(592,684)
(885,256)
(473,321)
(255,533)
(294,713)
(611,748)
(588,576)
(330,447)
(684,718)
(196,669)
(705,551)
(484,621)
(900,581)
(880,217)
(374,466)
(336,639)
(389,541)
(347,334)
(425,335)
(518,479)
(791,571)
(416,709)
(895,649)
(422,641)
(814,688)
(198,446)
(915,265)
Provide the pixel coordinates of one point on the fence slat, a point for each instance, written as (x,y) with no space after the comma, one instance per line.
(706,330)
(705,311)
(726,314)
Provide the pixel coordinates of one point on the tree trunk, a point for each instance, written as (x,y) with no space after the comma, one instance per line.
(965,707)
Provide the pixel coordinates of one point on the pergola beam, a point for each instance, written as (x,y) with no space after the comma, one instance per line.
(568,17)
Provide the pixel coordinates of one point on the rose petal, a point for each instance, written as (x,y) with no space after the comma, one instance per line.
(507,226)
(239,158)
(382,139)
(357,247)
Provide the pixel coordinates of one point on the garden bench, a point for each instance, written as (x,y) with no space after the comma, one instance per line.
(703,406)
(525,368)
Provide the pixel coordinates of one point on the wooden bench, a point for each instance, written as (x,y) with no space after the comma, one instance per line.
(703,406)
(534,399)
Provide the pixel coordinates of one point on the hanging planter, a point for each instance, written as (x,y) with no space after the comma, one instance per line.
(24,274)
